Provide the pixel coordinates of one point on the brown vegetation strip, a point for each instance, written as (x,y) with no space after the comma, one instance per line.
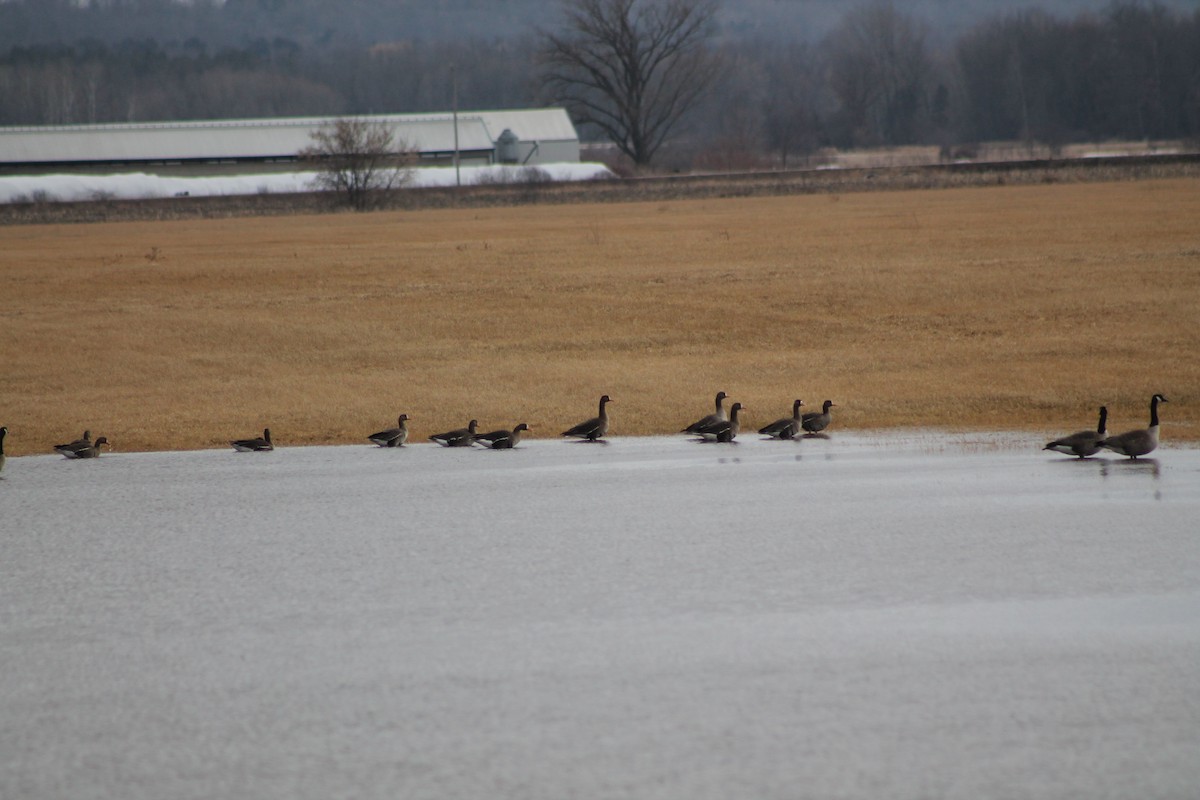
(1013,307)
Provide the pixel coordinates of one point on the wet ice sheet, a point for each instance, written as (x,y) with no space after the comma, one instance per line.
(888,615)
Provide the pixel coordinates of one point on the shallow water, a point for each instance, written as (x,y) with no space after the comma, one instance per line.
(902,616)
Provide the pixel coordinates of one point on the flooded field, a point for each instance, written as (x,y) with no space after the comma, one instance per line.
(905,615)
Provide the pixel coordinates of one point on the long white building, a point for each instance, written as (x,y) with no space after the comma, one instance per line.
(524,137)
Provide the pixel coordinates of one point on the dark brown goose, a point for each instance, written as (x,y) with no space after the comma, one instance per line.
(725,431)
(90,450)
(258,445)
(1139,442)
(392,437)
(1084,443)
(785,427)
(594,428)
(502,439)
(813,422)
(461,437)
(717,416)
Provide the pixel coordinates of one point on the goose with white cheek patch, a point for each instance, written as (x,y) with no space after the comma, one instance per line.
(1139,442)
(1084,443)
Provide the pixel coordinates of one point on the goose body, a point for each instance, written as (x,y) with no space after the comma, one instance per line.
(813,422)
(89,450)
(392,437)
(720,415)
(724,431)
(785,427)
(594,428)
(84,441)
(257,445)
(1139,442)
(461,437)
(502,439)
(1084,443)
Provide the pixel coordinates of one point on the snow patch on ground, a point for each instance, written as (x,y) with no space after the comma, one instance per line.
(140,185)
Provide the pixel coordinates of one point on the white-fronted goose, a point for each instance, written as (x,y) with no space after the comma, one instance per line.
(502,439)
(392,437)
(1139,442)
(724,431)
(812,422)
(462,437)
(1084,443)
(258,445)
(594,428)
(89,450)
(785,427)
(719,415)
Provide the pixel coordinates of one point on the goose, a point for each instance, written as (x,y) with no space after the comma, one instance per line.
(717,416)
(254,445)
(725,431)
(90,450)
(3,433)
(85,440)
(812,422)
(502,439)
(462,437)
(594,428)
(787,427)
(1084,443)
(1139,442)
(392,437)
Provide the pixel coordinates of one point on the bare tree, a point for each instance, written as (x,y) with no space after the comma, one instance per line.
(879,70)
(358,159)
(632,68)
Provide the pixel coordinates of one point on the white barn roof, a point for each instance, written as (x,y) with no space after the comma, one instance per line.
(547,136)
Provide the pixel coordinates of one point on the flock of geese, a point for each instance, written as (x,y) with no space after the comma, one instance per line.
(1131,443)
(720,426)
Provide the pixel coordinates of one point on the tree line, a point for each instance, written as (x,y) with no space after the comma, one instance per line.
(879,76)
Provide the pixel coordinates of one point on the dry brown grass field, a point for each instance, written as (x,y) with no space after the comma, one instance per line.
(1016,308)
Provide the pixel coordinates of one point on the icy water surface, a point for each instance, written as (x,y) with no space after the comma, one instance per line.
(899,616)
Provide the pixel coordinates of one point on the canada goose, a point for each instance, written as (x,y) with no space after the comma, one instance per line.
(3,433)
(392,437)
(258,445)
(1084,443)
(90,450)
(462,437)
(717,416)
(1139,442)
(594,428)
(84,440)
(812,422)
(502,440)
(787,427)
(724,431)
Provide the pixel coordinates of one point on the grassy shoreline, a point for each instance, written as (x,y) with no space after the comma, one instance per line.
(1016,307)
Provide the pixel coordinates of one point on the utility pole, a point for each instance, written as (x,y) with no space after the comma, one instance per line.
(454,105)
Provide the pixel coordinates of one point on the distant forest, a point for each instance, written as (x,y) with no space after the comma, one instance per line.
(799,75)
